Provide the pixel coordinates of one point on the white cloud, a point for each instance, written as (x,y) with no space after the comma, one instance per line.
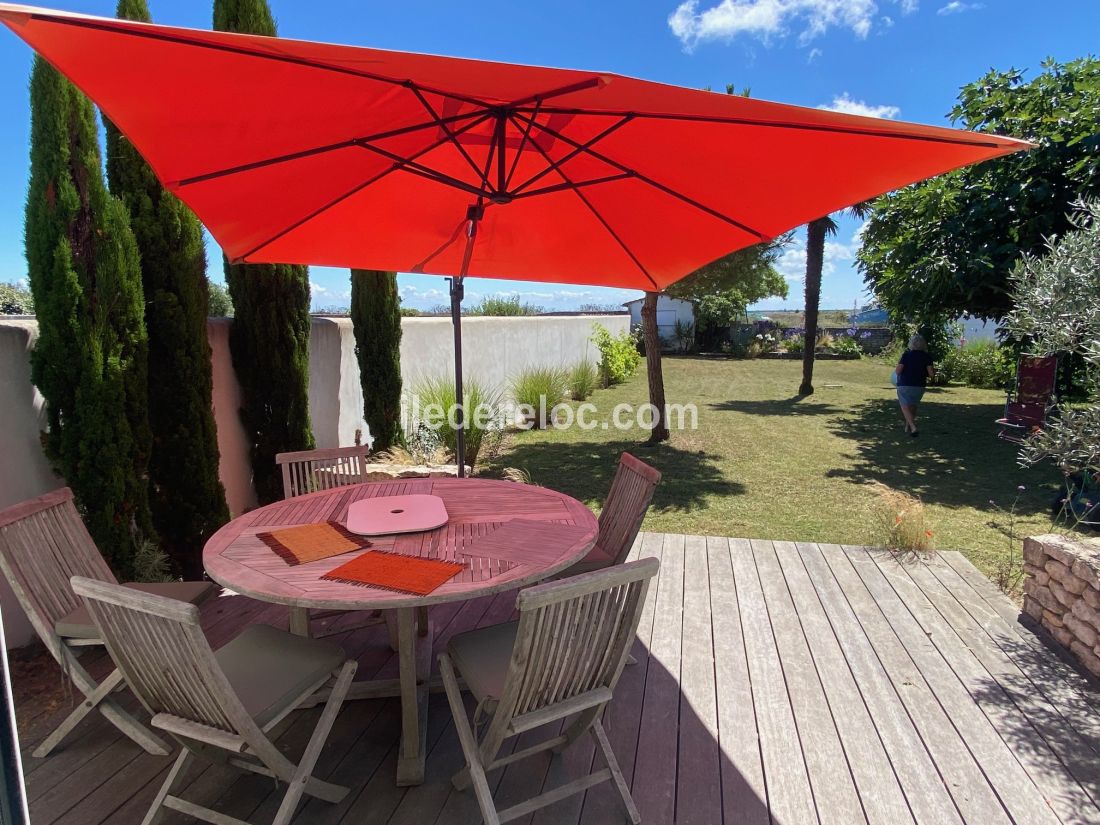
(770,19)
(956,7)
(845,104)
(317,289)
(815,53)
(791,264)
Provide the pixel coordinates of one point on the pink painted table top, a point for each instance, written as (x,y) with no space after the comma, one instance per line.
(559,532)
(396,514)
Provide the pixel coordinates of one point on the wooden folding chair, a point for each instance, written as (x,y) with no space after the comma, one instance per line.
(220,706)
(308,471)
(43,543)
(622,515)
(562,659)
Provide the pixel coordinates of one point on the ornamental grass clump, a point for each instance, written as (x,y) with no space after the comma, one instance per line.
(583,380)
(435,406)
(537,391)
(898,522)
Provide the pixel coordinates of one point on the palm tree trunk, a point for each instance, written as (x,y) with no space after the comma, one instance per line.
(815,260)
(653,368)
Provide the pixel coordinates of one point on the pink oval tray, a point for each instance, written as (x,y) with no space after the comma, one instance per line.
(396,514)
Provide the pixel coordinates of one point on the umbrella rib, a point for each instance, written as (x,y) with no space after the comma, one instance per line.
(446,128)
(305,153)
(776,124)
(423,171)
(353,191)
(558,187)
(522,146)
(587,145)
(651,182)
(603,222)
(108,26)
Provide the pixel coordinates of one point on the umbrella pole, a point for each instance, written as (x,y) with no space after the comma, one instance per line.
(473,215)
(457,290)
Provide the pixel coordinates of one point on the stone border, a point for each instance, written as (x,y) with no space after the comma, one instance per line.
(1062,592)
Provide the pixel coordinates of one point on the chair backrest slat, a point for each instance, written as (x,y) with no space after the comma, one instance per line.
(43,544)
(158,645)
(573,637)
(308,471)
(625,507)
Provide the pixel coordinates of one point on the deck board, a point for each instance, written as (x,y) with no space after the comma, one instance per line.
(776,682)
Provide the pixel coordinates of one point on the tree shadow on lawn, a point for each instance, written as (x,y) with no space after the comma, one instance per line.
(956,461)
(584,470)
(796,405)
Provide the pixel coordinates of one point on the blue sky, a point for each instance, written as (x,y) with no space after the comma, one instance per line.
(892,58)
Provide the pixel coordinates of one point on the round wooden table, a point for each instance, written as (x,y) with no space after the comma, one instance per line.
(235,558)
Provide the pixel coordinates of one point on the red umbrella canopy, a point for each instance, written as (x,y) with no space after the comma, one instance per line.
(298,152)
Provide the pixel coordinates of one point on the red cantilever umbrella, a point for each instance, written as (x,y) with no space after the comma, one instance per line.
(298,152)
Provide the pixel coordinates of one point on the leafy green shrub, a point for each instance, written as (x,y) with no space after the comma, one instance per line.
(582,380)
(15,300)
(795,344)
(538,390)
(684,336)
(220,304)
(980,364)
(619,356)
(845,345)
(481,407)
(496,305)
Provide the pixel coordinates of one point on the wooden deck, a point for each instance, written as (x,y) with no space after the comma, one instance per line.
(776,682)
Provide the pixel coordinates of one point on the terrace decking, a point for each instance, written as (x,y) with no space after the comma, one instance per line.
(775,682)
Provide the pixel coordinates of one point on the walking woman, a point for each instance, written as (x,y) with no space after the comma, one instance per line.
(913,372)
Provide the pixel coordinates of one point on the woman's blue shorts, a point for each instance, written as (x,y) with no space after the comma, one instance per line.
(908,396)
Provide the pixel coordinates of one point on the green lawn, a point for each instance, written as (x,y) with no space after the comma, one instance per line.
(765,464)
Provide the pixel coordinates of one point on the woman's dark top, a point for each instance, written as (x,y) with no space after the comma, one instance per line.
(914,368)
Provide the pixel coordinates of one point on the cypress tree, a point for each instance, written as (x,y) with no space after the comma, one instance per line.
(187,498)
(90,359)
(269,339)
(376,318)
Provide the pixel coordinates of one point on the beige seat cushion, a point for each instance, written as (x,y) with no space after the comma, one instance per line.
(482,657)
(79,625)
(270,669)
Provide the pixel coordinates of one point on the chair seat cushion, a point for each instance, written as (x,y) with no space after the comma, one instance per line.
(270,669)
(482,657)
(597,559)
(79,625)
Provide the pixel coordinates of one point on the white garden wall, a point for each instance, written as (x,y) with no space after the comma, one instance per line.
(494,349)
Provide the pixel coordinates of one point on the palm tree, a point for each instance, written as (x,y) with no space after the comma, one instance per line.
(816,233)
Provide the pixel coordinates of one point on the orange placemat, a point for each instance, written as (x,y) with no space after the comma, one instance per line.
(310,542)
(393,571)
